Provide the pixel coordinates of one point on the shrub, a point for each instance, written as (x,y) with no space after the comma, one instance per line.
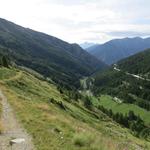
(82,140)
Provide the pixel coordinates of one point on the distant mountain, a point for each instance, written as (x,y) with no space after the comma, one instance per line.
(115,50)
(86,45)
(63,62)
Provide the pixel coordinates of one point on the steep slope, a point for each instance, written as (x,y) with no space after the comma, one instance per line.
(61,61)
(57,122)
(114,50)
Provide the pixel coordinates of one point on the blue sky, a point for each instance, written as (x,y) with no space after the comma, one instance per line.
(81,20)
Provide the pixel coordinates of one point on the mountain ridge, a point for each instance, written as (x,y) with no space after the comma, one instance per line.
(117,49)
(61,61)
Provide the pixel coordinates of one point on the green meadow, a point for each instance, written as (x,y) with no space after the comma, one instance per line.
(109,103)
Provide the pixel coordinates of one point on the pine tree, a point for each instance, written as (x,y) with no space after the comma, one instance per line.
(5,62)
(88,103)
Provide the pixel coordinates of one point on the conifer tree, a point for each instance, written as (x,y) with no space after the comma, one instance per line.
(5,62)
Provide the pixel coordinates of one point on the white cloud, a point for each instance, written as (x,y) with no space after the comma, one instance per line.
(80,20)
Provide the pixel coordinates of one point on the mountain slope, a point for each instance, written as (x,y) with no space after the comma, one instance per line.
(138,64)
(61,61)
(129,82)
(114,50)
(57,122)
(133,71)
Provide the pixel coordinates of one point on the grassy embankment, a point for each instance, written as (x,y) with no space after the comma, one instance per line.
(61,123)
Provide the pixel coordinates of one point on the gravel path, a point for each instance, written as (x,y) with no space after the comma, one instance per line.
(12,129)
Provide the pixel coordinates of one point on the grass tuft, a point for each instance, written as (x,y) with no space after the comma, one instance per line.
(83,139)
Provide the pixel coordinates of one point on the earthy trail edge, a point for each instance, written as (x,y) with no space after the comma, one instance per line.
(12,129)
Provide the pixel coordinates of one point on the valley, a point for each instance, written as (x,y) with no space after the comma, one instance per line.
(56,96)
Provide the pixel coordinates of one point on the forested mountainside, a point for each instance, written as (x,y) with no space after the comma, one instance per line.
(117,49)
(128,85)
(128,78)
(65,63)
(137,64)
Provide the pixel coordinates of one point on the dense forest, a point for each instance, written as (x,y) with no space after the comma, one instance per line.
(127,81)
(137,64)
(125,86)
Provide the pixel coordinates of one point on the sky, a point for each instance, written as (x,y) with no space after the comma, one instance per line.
(78,21)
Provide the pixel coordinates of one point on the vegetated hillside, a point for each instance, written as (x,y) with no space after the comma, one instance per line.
(58,121)
(128,79)
(117,49)
(52,57)
(128,86)
(138,64)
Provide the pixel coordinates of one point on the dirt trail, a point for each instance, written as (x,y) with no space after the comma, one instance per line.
(12,129)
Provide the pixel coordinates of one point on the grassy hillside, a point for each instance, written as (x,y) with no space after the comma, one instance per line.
(57,122)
